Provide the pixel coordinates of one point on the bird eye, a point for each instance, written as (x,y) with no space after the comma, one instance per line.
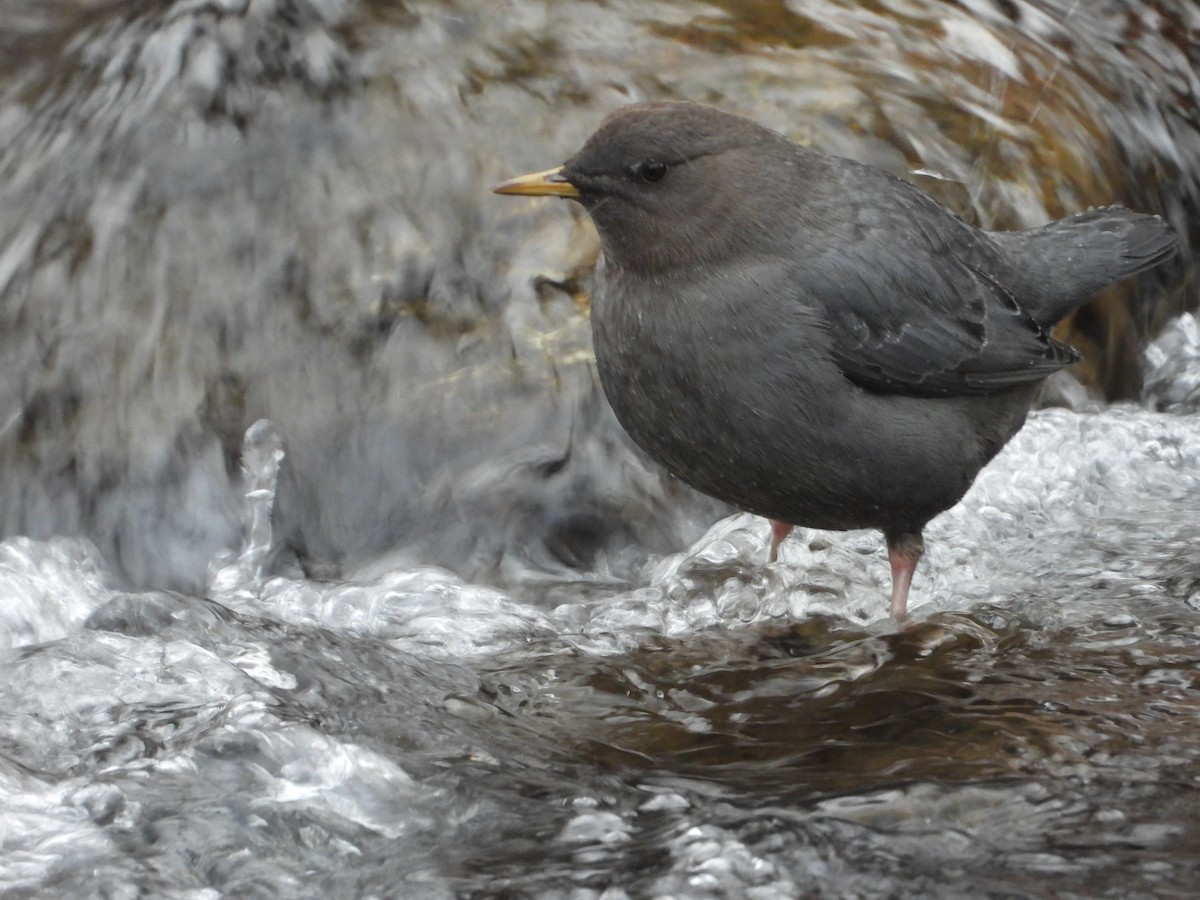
(652,170)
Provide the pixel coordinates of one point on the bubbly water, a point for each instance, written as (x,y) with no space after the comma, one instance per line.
(329,575)
(719,728)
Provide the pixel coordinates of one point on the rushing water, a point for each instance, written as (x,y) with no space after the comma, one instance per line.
(328,572)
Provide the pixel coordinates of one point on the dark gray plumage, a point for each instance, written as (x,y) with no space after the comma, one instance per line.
(814,340)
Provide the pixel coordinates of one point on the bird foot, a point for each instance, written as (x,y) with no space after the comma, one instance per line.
(779,532)
(904,551)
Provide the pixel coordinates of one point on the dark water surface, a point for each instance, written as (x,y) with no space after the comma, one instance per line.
(435,629)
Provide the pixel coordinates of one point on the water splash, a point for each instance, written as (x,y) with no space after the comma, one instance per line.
(262,454)
(48,589)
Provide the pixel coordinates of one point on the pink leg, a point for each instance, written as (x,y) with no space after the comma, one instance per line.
(904,550)
(779,531)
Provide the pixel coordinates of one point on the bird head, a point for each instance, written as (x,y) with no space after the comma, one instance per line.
(667,184)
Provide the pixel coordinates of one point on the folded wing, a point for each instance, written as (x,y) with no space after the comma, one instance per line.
(920,319)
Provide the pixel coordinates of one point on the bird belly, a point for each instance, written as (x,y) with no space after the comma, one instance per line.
(749,406)
(806,453)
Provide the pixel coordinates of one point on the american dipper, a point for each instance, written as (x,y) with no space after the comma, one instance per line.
(814,340)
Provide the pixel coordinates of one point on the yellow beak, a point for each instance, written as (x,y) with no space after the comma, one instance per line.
(550,183)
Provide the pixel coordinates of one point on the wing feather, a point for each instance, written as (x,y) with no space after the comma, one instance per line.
(919,318)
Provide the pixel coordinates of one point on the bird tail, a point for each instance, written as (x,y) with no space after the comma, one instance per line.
(1075,258)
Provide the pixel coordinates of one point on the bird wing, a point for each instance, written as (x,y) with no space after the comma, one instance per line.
(922,319)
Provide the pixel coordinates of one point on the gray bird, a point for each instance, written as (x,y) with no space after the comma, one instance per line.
(814,340)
